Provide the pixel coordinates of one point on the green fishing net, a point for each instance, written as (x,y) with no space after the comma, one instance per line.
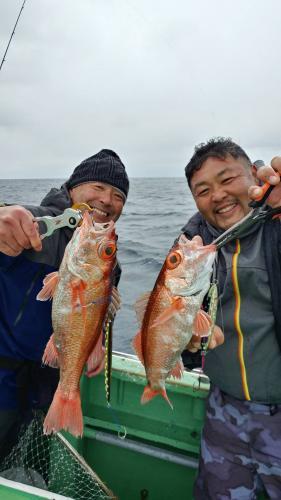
(52,464)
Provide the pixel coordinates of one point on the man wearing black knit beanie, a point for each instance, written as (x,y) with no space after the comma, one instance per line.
(101,182)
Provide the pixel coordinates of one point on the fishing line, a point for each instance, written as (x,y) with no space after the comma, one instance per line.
(122,432)
(13,32)
(116,420)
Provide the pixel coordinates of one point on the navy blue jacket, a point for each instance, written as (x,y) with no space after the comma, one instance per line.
(25,323)
(25,327)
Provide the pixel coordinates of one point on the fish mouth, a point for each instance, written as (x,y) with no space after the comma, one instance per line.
(203,275)
(103,227)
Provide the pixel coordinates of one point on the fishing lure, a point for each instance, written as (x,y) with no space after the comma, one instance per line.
(108,359)
(212,299)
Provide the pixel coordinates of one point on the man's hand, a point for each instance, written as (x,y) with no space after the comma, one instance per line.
(271,174)
(217,339)
(18,231)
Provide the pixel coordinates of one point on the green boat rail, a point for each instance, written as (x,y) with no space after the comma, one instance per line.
(12,490)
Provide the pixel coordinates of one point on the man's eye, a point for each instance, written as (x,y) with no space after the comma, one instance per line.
(98,187)
(118,197)
(227,180)
(203,192)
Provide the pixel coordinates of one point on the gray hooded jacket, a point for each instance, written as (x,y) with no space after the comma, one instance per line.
(248,364)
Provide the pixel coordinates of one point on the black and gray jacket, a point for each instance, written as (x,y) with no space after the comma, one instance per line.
(248,364)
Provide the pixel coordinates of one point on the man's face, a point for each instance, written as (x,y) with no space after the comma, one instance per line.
(107,201)
(220,190)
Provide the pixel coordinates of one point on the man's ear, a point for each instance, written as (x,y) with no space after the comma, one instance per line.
(255,165)
(254,174)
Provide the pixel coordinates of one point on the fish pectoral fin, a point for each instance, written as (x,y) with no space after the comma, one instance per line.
(98,369)
(140,306)
(96,360)
(178,370)
(49,285)
(202,323)
(137,345)
(51,354)
(177,305)
(78,287)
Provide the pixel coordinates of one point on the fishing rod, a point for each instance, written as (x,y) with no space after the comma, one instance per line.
(13,32)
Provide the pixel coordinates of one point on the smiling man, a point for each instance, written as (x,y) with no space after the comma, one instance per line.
(100,181)
(241,439)
(220,189)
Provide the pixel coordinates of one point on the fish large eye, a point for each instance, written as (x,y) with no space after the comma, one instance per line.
(107,250)
(173,260)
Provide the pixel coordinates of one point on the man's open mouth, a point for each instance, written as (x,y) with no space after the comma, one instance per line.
(226,209)
(100,212)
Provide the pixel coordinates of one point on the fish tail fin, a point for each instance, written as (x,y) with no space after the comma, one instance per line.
(65,413)
(149,394)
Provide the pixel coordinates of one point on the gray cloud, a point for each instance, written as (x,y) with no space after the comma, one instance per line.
(148,79)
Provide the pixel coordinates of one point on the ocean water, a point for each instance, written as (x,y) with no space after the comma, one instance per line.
(155,211)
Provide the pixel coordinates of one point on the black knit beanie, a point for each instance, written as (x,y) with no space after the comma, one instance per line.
(104,166)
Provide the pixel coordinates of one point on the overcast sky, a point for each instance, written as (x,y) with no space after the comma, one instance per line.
(147,78)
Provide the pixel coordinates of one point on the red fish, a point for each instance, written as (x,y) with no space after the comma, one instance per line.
(172,313)
(83,297)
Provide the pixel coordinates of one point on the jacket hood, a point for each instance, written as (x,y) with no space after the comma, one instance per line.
(58,198)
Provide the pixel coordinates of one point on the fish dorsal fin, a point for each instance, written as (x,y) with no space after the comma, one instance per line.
(140,306)
(114,305)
